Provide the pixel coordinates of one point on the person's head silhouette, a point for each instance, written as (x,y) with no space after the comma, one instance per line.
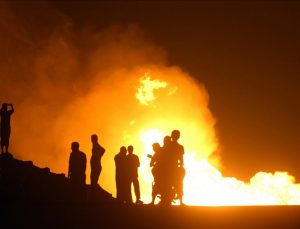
(167,140)
(155,147)
(94,138)
(123,150)
(130,149)
(4,106)
(175,135)
(75,146)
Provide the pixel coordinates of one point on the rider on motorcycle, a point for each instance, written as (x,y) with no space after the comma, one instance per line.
(168,171)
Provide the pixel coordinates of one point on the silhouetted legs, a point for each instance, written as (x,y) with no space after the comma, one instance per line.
(136,186)
(128,196)
(123,190)
(5,134)
(179,184)
(179,190)
(154,192)
(119,187)
(95,173)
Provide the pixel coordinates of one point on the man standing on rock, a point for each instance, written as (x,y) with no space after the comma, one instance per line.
(77,165)
(5,125)
(97,153)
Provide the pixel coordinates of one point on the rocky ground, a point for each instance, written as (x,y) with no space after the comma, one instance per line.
(31,197)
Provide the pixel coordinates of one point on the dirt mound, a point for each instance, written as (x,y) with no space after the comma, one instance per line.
(22,181)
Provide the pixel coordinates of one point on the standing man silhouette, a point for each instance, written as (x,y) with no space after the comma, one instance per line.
(5,125)
(177,163)
(77,165)
(122,176)
(97,153)
(133,165)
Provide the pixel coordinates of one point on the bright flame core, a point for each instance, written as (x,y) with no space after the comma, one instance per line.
(145,93)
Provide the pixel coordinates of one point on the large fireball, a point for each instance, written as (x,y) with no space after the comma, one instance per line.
(138,107)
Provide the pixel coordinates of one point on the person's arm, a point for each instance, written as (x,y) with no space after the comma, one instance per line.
(84,162)
(151,163)
(69,169)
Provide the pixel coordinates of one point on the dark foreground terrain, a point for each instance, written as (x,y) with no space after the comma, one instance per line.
(113,216)
(31,197)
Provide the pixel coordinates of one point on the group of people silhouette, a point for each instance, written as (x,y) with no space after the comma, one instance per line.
(127,165)
(126,169)
(77,163)
(167,168)
(167,165)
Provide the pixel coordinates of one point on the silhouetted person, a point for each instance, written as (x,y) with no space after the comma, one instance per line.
(155,158)
(133,163)
(77,165)
(166,148)
(5,125)
(122,178)
(97,153)
(160,159)
(161,171)
(177,163)
(156,169)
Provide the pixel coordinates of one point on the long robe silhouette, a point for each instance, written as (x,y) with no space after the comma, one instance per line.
(122,178)
(77,165)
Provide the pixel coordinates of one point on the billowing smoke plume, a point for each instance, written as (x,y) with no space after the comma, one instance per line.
(67,83)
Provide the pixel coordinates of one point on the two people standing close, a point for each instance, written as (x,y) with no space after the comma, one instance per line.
(77,163)
(126,174)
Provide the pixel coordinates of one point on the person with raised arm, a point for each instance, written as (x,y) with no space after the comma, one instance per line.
(5,125)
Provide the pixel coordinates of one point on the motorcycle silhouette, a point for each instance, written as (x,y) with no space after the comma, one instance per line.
(166,183)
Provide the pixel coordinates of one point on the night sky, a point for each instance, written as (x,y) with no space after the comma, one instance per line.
(245,53)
